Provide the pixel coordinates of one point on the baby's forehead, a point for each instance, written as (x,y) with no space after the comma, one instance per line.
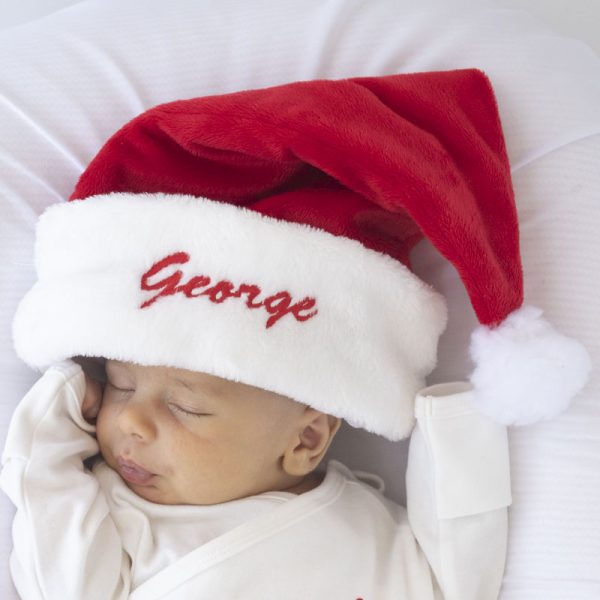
(187,377)
(200,382)
(164,371)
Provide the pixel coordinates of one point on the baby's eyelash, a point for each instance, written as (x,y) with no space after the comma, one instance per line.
(117,388)
(173,406)
(187,412)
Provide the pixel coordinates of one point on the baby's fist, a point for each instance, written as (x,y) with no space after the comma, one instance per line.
(92,399)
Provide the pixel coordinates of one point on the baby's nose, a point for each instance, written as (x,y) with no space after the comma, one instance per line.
(135,420)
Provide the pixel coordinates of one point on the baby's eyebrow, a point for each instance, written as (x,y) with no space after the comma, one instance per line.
(189,386)
(206,390)
(109,366)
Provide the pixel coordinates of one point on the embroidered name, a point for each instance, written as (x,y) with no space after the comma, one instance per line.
(277,305)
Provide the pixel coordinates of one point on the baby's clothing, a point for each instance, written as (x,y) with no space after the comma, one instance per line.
(81,534)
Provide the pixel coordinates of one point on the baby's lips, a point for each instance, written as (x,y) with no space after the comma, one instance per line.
(133,472)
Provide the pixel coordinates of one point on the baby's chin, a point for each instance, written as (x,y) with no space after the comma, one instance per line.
(152,493)
(159,492)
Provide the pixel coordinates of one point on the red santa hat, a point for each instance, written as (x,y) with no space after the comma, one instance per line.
(264,236)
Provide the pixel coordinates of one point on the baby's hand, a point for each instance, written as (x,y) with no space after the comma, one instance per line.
(92,399)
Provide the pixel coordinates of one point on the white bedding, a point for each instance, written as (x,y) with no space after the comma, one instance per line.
(69,80)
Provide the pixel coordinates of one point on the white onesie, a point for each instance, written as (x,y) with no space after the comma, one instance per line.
(84,535)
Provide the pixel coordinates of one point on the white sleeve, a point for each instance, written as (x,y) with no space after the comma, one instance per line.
(65,544)
(458,491)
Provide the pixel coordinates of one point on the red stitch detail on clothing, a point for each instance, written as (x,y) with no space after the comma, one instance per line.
(219,292)
(252,291)
(195,282)
(277,305)
(169,284)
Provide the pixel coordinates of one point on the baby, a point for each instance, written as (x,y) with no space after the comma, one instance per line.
(183,437)
(171,483)
(240,264)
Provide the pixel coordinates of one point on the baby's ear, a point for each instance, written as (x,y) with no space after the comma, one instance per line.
(310,442)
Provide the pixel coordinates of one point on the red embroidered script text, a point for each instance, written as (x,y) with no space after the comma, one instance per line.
(278,305)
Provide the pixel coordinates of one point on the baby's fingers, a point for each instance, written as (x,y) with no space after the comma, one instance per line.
(92,399)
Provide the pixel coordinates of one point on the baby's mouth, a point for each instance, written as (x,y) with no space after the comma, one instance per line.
(133,473)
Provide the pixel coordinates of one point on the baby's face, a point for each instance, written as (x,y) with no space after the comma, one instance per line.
(183,437)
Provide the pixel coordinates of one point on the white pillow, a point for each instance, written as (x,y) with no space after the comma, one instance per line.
(69,80)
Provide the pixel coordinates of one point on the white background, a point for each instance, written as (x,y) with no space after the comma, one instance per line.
(573,18)
(555,522)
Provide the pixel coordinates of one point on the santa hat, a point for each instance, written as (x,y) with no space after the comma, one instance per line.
(264,236)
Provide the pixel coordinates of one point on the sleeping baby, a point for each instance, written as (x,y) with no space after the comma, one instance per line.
(207,487)
(228,283)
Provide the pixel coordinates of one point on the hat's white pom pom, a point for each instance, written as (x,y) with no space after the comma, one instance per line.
(525,370)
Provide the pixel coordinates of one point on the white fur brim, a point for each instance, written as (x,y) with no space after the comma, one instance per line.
(526,371)
(362,356)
